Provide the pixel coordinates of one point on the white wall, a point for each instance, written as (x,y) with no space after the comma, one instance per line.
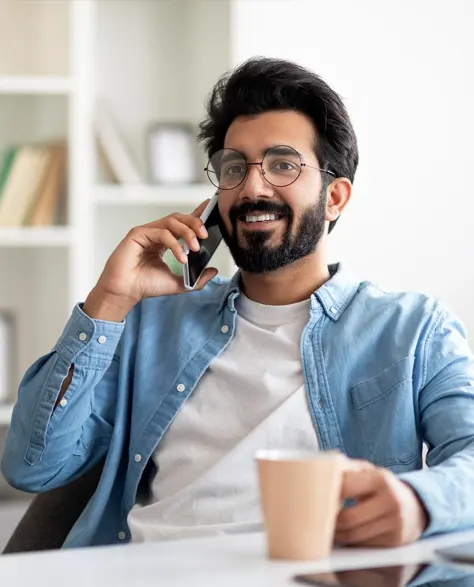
(405,72)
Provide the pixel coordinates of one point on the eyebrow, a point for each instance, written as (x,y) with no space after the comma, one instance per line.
(233,156)
(278,149)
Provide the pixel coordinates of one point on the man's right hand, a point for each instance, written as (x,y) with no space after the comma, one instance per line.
(136,269)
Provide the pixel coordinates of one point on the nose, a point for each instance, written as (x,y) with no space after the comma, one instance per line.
(254,185)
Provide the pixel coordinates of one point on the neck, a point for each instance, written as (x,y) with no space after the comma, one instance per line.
(291,284)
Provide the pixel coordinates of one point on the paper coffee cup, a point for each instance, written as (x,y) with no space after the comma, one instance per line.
(300,498)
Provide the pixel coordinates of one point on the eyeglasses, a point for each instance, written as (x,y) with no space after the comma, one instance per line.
(281,166)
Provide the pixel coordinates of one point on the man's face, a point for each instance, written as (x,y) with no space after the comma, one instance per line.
(269,245)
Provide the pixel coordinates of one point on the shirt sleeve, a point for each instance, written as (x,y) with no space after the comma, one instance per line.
(47,447)
(446,404)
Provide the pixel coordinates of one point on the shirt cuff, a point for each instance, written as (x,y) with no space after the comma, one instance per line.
(433,497)
(89,341)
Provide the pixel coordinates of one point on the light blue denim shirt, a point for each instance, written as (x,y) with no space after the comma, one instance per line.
(384,372)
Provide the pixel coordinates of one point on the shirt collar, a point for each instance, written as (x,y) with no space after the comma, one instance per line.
(337,293)
(334,296)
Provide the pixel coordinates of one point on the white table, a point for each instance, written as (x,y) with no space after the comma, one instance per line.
(231,561)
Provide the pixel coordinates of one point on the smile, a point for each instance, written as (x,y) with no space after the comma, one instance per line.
(262,217)
(260,220)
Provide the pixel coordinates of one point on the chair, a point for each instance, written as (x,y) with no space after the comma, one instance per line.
(51,515)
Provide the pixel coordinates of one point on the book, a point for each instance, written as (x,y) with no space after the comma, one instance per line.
(35,172)
(43,211)
(8,158)
(17,180)
(112,145)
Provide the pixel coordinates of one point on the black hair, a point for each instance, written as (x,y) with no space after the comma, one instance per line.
(264,84)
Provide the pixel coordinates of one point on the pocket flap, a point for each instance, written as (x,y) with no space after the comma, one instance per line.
(377,387)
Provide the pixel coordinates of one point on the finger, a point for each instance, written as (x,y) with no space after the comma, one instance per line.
(373,530)
(200,209)
(363,512)
(359,483)
(163,237)
(207,275)
(357,465)
(390,539)
(194,223)
(191,220)
(182,230)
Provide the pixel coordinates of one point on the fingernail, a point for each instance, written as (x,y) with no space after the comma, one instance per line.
(195,244)
(203,231)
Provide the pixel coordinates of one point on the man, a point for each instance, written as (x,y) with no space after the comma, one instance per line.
(179,391)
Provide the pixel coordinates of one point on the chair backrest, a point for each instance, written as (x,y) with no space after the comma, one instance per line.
(51,515)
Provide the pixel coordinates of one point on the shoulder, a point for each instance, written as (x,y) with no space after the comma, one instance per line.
(405,306)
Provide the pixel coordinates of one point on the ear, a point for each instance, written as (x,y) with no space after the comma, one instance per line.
(338,195)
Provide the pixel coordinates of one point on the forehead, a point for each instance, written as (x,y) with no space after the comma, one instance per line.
(253,135)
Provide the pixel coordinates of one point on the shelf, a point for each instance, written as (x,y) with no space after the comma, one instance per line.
(5,414)
(131,195)
(24,236)
(35,85)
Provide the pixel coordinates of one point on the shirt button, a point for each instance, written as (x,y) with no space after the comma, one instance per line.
(180,387)
(63,402)
(225,329)
(333,310)
(83,336)
(121,535)
(102,339)
(137,458)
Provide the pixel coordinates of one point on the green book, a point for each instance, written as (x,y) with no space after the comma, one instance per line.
(8,157)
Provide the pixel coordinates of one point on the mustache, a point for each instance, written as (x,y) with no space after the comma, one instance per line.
(264,206)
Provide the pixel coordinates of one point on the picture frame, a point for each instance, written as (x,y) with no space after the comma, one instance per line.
(172,153)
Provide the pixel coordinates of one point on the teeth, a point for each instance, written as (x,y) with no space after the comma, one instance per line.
(260,218)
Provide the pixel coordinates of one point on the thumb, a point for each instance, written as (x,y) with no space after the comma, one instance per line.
(357,483)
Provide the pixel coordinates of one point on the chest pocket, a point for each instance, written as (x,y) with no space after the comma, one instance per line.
(387,417)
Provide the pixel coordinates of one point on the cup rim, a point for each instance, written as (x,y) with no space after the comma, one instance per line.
(292,455)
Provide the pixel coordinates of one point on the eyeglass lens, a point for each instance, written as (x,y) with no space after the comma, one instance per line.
(227,168)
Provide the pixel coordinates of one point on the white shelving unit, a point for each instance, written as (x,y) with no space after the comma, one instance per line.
(46,92)
(35,85)
(68,56)
(49,236)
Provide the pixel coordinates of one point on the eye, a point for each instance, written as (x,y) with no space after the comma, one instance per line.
(234,169)
(284,166)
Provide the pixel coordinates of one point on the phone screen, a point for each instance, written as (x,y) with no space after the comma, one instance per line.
(416,575)
(198,260)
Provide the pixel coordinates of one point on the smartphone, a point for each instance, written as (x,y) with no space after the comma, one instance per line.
(463,553)
(199,260)
(414,575)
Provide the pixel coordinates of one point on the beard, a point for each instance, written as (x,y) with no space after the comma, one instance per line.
(256,256)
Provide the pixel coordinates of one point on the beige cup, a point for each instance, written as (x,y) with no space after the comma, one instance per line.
(300,497)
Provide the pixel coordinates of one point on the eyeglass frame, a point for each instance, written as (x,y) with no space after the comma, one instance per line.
(260,163)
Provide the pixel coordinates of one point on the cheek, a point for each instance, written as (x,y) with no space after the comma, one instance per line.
(301,196)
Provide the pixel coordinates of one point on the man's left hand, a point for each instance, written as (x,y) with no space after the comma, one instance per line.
(387,512)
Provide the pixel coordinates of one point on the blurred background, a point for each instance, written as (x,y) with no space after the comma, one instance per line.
(99,102)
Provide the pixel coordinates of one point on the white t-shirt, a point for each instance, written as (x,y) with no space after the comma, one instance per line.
(252,397)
